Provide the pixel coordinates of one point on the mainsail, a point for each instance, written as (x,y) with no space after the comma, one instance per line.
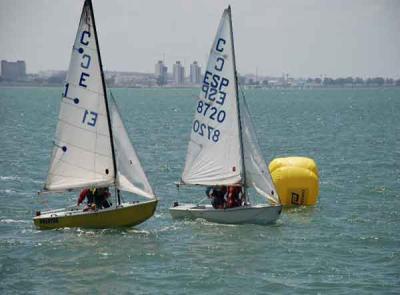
(82,154)
(130,174)
(214,151)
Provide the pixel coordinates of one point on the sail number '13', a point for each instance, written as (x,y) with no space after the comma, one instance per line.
(213,88)
(89,117)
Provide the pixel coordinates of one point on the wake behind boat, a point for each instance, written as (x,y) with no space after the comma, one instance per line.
(223,152)
(91,146)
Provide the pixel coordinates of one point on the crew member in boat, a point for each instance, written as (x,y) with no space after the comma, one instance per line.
(96,198)
(233,198)
(217,196)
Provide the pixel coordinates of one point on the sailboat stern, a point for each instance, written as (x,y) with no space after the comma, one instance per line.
(125,215)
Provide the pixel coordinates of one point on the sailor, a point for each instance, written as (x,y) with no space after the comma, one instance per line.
(101,197)
(89,194)
(217,196)
(233,199)
(96,198)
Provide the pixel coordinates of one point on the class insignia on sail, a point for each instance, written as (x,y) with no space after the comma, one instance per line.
(223,153)
(91,146)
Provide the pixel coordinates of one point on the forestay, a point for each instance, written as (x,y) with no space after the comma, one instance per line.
(82,155)
(214,152)
(257,172)
(130,174)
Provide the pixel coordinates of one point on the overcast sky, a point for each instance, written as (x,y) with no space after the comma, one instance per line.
(305,38)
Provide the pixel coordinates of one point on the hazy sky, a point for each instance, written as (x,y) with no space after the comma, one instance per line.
(301,37)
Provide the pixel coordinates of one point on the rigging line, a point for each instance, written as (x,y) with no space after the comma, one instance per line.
(201,201)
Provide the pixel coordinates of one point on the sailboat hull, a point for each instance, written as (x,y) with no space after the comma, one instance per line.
(128,214)
(252,214)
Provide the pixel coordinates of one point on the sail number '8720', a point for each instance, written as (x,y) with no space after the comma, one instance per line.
(213,89)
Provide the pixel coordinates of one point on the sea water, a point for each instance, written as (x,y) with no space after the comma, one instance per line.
(348,243)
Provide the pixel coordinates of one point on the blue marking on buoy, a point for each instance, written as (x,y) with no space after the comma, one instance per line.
(64,148)
(76,100)
(80,50)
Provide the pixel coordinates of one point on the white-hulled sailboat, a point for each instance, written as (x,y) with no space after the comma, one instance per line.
(91,146)
(223,149)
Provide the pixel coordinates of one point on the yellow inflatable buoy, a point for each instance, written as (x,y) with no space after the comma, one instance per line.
(296,179)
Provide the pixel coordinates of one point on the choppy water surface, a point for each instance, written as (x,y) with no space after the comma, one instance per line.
(348,243)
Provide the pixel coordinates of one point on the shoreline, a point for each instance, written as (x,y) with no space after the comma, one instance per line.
(2,85)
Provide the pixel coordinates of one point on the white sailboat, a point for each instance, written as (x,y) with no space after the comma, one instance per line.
(223,149)
(91,145)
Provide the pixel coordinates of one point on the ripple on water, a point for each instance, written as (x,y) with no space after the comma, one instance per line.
(348,243)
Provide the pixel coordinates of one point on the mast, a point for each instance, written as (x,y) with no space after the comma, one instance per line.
(105,97)
(237,102)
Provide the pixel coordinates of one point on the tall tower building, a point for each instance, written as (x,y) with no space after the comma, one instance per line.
(161,71)
(178,73)
(195,73)
(13,71)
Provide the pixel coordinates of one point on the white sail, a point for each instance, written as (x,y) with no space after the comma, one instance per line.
(214,153)
(257,172)
(130,174)
(82,154)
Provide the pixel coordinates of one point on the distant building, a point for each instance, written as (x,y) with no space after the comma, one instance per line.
(13,71)
(178,73)
(161,72)
(195,73)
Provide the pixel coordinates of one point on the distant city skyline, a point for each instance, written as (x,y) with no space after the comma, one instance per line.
(14,74)
(305,38)
(193,76)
